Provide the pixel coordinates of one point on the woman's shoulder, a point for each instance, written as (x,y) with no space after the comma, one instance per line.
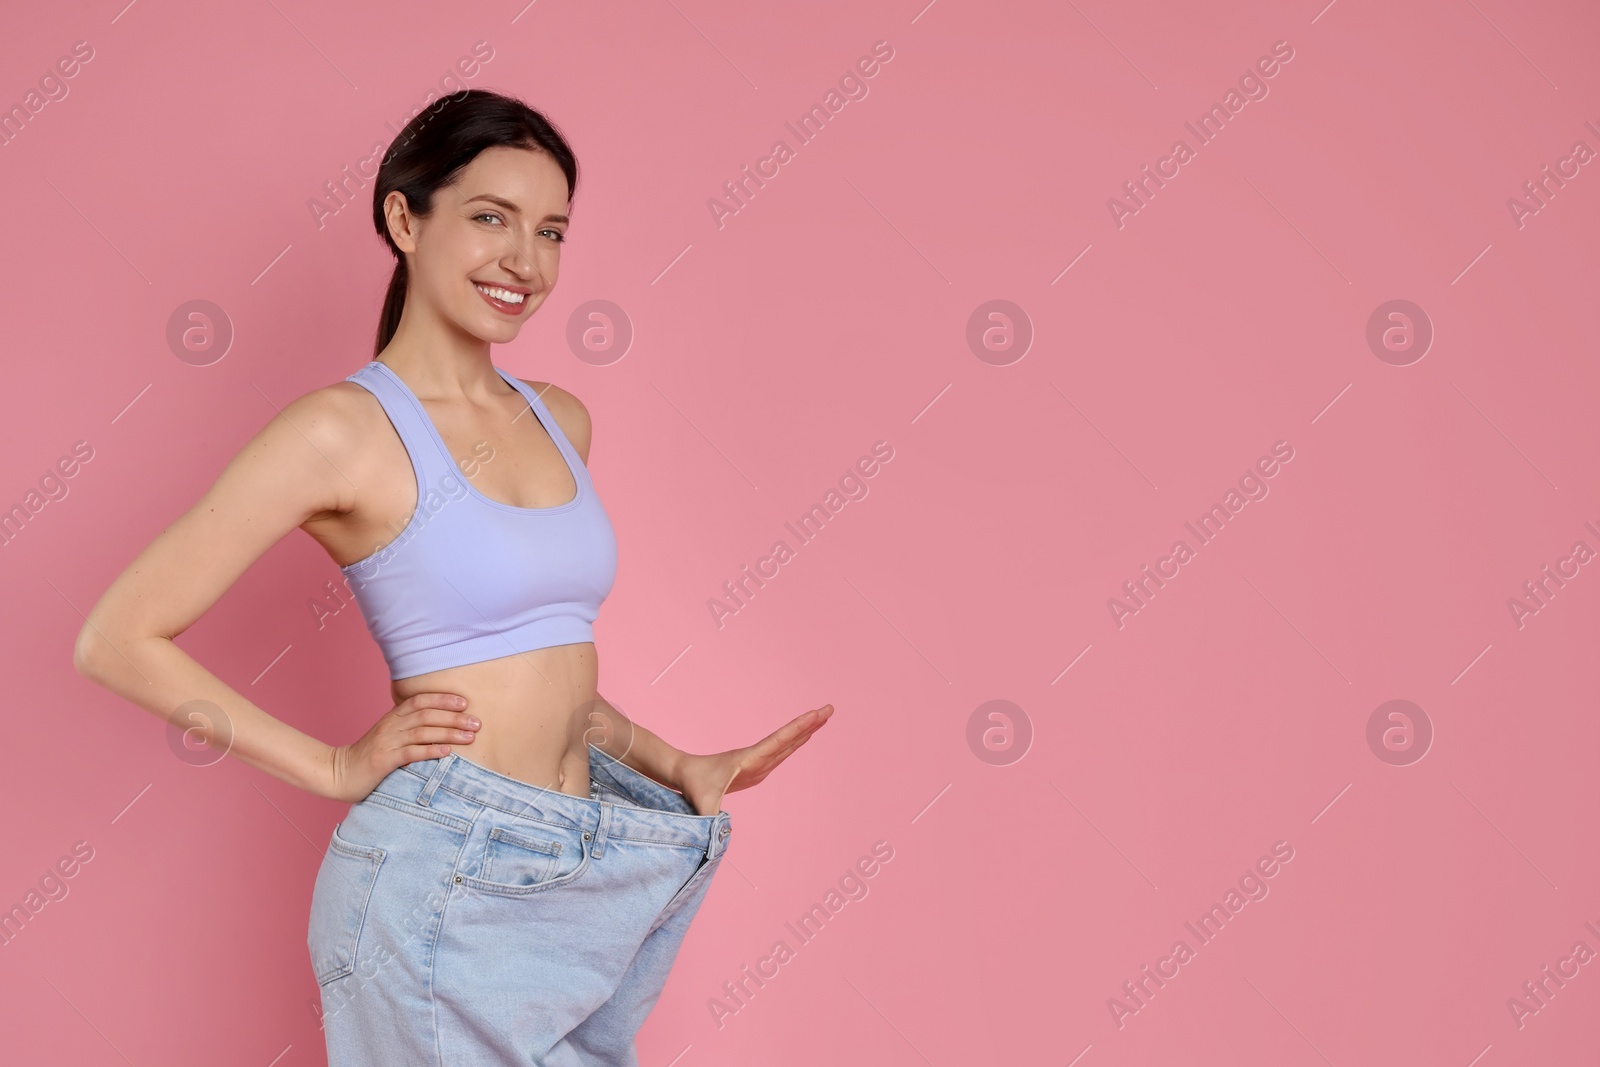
(336,419)
(341,405)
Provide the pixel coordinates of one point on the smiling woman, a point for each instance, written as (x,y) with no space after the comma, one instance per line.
(485,214)
(523,905)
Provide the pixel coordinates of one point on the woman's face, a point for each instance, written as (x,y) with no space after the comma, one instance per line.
(499,227)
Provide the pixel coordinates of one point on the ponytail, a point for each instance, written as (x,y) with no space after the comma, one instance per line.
(394,302)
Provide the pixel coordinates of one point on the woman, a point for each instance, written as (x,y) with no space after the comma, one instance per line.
(520,862)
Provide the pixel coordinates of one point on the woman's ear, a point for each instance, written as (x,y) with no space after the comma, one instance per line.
(402,224)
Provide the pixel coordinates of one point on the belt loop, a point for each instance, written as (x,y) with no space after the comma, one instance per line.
(435,779)
(601,829)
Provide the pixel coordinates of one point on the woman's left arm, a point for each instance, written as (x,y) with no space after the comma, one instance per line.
(619,737)
(703,780)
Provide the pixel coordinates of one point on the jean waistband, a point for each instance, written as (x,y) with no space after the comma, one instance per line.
(649,811)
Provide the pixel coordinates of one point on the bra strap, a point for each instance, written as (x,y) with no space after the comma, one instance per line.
(432,467)
(541,411)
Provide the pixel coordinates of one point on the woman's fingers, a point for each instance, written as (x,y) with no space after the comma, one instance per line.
(788,737)
(414,753)
(458,720)
(764,767)
(785,740)
(796,727)
(422,735)
(773,750)
(426,701)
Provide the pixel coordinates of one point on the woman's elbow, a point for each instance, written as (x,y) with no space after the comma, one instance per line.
(95,650)
(87,651)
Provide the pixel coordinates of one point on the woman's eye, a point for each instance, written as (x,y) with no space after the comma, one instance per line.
(486,215)
(556,235)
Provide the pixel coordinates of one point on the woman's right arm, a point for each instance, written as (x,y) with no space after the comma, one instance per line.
(291,471)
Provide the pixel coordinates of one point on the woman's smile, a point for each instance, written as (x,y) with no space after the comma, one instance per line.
(509,301)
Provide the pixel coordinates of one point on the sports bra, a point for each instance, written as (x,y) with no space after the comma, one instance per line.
(469,578)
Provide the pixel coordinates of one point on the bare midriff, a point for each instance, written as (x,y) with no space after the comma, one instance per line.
(535,708)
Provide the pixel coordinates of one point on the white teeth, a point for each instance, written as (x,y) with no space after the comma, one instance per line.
(502,294)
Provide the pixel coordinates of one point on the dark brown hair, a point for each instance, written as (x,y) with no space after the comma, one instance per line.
(433,149)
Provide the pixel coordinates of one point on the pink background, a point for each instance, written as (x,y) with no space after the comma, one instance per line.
(770,354)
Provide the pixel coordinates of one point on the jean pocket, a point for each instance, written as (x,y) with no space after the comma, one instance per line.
(529,859)
(339,905)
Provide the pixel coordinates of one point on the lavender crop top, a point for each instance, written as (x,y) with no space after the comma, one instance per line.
(472,579)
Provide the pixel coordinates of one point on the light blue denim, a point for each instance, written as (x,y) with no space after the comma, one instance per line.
(462,918)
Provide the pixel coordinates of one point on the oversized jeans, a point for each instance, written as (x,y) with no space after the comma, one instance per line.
(462,918)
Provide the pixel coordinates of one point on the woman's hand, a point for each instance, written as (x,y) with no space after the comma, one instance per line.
(425,726)
(704,779)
